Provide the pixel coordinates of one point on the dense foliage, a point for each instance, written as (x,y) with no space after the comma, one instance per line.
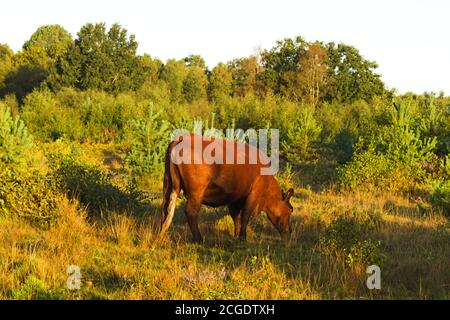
(335,116)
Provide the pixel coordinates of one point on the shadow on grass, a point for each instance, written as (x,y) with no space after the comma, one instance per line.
(96,190)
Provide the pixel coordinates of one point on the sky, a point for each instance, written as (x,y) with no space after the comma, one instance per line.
(409,39)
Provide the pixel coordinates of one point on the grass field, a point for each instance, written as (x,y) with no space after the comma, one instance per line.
(87,115)
(120,256)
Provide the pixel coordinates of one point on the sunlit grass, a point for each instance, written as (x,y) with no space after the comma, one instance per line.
(121,258)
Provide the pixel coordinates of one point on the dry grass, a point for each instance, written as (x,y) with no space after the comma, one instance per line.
(121,258)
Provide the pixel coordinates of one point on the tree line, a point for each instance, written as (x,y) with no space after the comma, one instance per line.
(106,59)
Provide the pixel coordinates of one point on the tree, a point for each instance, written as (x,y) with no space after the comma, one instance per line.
(195,61)
(101,59)
(301,137)
(351,76)
(5,52)
(280,65)
(195,85)
(68,69)
(220,82)
(53,38)
(15,141)
(30,68)
(24,80)
(151,68)
(313,73)
(6,57)
(244,73)
(42,51)
(296,69)
(173,73)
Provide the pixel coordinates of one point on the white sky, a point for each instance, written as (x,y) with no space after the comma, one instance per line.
(408,38)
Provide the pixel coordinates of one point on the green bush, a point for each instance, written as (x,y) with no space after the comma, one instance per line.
(149,139)
(253,112)
(366,252)
(367,168)
(394,156)
(31,196)
(440,196)
(349,236)
(15,141)
(101,115)
(301,136)
(343,146)
(48,119)
(35,289)
(94,188)
(29,193)
(93,116)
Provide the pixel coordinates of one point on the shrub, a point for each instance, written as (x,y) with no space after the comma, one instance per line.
(82,115)
(155,92)
(247,112)
(35,289)
(48,120)
(394,156)
(349,236)
(101,116)
(301,136)
(343,146)
(15,141)
(149,139)
(93,187)
(366,168)
(440,196)
(365,252)
(31,196)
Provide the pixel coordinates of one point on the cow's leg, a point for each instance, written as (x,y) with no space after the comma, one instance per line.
(249,210)
(237,225)
(245,217)
(252,205)
(235,211)
(192,208)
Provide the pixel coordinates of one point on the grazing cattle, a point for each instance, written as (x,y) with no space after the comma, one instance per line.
(240,186)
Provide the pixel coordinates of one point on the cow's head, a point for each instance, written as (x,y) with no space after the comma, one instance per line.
(280,211)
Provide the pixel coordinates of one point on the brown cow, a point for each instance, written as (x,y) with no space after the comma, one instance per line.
(241,187)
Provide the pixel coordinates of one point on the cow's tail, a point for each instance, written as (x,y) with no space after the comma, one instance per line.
(172,187)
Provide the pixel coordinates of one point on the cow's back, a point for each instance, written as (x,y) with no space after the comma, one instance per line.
(224,181)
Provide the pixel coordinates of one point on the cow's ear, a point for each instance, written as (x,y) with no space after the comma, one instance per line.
(287,196)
